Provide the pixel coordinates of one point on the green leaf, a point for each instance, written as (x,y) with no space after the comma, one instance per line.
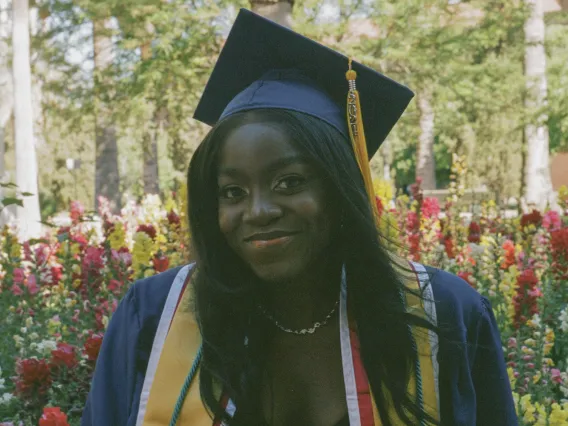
(8,201)
(8,185)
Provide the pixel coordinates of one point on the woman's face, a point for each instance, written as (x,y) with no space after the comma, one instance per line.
(274,209)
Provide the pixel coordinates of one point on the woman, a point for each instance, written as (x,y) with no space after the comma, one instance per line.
(294,314)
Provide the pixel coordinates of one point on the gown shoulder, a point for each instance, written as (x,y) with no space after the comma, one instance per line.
(125,352)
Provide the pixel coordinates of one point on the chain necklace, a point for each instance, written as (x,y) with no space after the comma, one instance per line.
(303,331)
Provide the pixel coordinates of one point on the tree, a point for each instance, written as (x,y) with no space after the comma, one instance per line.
(277,11)
(107,178)
(425,160)
(26,162)
(538,183)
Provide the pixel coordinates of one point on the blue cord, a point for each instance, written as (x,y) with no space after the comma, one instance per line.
(185,388)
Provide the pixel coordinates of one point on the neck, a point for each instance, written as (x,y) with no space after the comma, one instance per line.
(307,299)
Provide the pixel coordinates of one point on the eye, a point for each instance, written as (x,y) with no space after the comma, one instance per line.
(289,183)
(231,192)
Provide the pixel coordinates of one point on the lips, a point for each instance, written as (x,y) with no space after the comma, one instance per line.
(269,239)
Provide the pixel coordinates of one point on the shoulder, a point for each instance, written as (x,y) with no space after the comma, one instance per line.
(456,301)
(148,296)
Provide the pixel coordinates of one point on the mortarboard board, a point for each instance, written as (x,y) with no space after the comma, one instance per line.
(266,65)
(254,56)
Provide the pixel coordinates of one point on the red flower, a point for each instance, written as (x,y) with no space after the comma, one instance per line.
(532,218)
(64,355)
(148,229)
(93,262)
(93,346)
(76,211)
(509,255)
(474,233)
(160,263)
(33,377)
(56,274)
(173,218)
(114,285)
(379,204)
(52,416)
(412,221)
(466,276)
(449,246)
(430,207)
(559,246)
(525,300)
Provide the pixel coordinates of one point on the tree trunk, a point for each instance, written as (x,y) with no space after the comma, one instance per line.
(279,12)
(150,140)
(107,179)
(538,183)
(151,170)
(26,164)
(425,161)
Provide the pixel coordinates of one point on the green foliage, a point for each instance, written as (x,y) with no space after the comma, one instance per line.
(163,54)
(467,55)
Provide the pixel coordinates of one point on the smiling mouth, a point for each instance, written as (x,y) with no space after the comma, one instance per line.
(269,239)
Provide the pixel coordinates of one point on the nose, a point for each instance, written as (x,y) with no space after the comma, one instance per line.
(261,209)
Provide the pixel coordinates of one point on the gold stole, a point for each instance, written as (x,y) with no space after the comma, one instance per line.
(181,346)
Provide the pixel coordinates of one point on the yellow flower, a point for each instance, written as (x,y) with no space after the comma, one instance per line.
(142,251)
(16,249)
(383,190)
(549,336)
(117,237)
(511,374)
(75,249)
(558,416)
(542,417)
(527,409)
(537,377)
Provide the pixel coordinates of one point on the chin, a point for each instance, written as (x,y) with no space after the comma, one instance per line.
(277,272)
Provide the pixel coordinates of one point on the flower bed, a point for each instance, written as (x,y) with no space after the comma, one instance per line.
(58,293)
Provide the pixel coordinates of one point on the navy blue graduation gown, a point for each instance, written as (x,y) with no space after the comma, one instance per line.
(473,382)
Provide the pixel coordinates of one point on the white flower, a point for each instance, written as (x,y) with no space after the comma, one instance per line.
(46,346)
(564,319)
(476,249)
(6,398)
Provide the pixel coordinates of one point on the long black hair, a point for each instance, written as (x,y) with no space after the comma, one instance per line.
(225,294)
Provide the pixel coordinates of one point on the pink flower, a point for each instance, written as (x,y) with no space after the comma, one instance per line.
(555,374)
(76,211)
(16,290)
(114,285)
(430,207)
(19,275)
(31,285)
(551,220)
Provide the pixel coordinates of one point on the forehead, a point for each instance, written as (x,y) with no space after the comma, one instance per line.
(254,145)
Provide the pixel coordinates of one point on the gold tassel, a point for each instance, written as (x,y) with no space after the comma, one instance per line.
(357,136)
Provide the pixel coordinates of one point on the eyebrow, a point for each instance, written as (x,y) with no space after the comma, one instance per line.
(272,167)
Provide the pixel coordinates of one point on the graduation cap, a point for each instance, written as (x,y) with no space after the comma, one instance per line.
(265,65)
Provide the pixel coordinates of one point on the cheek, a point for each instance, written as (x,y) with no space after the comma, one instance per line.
(318,213)
(227,220)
